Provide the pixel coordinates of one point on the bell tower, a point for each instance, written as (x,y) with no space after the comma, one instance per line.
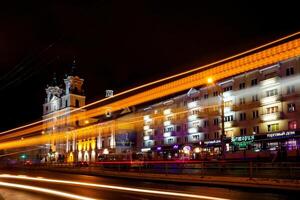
(74,93)
(52,101)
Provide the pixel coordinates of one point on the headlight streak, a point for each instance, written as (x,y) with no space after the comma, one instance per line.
(44,190)
(112,187)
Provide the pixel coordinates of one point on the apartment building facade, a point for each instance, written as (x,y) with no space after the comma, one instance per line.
(261,112)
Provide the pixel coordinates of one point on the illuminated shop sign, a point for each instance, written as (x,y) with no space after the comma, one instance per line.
(281,134)
(242,141)
(212,142)
(243,138)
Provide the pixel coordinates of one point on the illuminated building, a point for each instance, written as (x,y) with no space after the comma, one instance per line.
(188,123)
(59,102)
(261,112)
(84,139)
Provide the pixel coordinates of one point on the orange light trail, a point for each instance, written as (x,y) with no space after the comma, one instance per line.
(42,139)
(254,61)
(113,187)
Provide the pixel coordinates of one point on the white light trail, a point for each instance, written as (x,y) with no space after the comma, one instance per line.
(44,190)
(129,189)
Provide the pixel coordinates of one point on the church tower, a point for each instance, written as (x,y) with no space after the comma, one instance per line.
(74,93)
(52,101)
(58,105)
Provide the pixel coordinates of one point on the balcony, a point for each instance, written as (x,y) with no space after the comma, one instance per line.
(169,134)
(167,123)
(148,137)
(270,99)
(230,124)
(194,130)
(193,104)
(192,118)
(270,81)
(149,132)
(272,116)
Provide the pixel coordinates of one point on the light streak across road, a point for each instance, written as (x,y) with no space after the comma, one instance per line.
(44,190)
(254,61)
(112,187)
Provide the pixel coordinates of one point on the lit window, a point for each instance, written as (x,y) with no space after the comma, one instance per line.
(272,92)
(272,109)
(196,137)
(273,127)
(293,125)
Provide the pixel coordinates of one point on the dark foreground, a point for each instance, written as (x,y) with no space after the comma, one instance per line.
(105,193)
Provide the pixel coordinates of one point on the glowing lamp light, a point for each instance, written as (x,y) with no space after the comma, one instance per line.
(197,150)
(210,80)
(147,137)
(167,134)
(86,121)
(167,111)
(105,151)
(167,123)
(146,149)
(192,130)
(186,149)
(158,148)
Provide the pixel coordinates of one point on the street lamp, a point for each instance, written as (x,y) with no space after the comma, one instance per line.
(223,136)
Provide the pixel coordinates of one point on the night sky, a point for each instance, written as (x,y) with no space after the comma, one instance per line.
(120,44)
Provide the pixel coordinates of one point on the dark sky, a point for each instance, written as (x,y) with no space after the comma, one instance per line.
(120,44)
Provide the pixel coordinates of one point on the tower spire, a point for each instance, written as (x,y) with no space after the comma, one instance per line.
(73,68)
(54,79)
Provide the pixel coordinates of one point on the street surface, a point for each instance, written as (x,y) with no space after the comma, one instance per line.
(117,193)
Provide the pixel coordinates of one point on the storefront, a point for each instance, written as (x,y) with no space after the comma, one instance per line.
(287,140)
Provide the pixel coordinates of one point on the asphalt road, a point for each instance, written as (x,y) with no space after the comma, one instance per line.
(102,188)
